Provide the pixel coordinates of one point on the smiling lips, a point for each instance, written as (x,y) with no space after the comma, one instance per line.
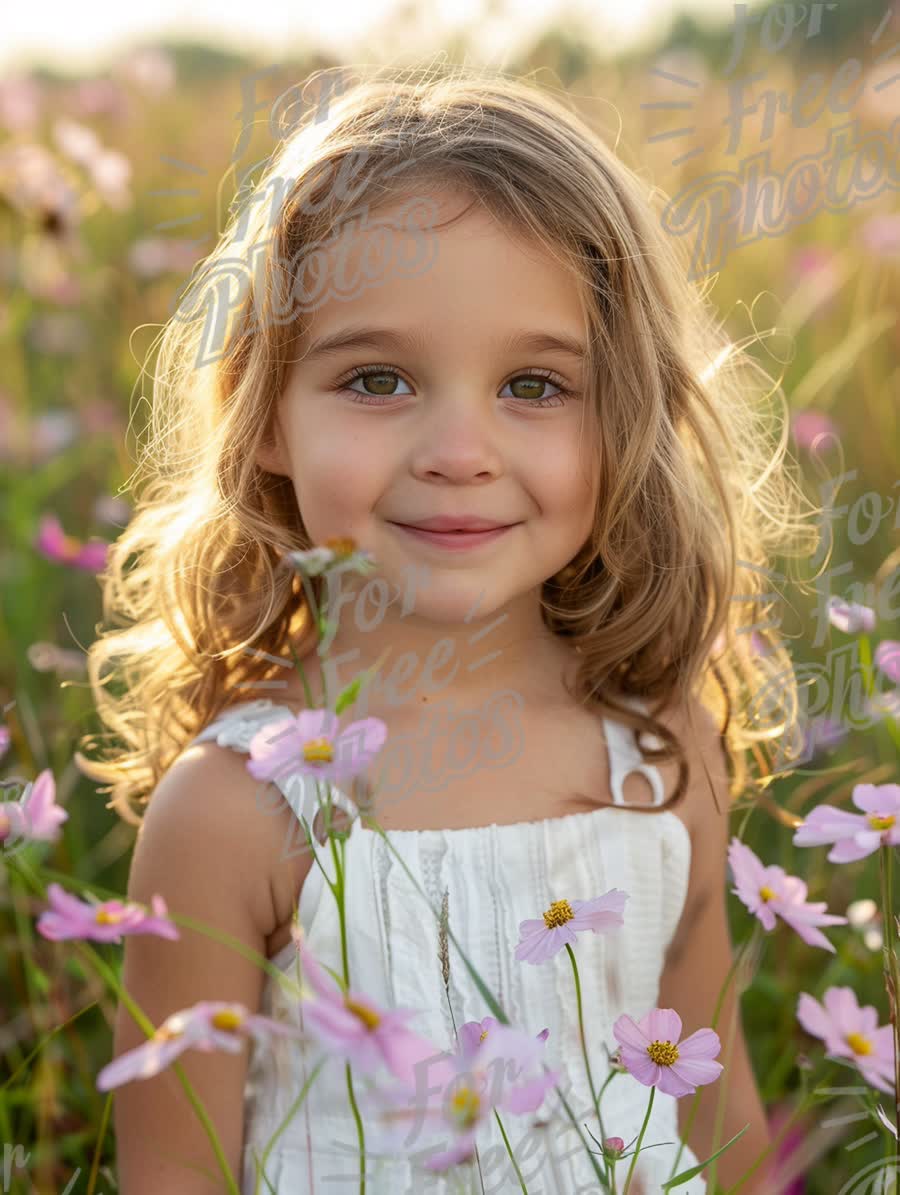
(452,531)
(457,523)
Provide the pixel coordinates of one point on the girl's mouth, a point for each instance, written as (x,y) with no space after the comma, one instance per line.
(455,540)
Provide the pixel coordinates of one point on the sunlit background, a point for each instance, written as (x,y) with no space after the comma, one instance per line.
(72,39)
(118,125)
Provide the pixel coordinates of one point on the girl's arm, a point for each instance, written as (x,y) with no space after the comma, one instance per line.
(204,846)
(697,963)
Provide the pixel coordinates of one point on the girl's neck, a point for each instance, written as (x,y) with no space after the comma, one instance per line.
(463,667)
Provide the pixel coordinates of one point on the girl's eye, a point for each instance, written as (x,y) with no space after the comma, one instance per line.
(380,377)
(381,381)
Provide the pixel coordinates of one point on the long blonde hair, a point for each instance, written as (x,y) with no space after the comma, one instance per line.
(693,485)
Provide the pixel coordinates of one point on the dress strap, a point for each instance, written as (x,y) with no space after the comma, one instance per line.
(625,757)
(237,726)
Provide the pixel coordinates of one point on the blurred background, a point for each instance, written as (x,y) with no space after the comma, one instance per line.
(123,137)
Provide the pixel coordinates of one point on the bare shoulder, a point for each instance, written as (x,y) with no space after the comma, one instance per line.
(208,812)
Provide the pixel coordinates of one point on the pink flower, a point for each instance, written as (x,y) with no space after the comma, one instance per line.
(5,739)
(473,1033)
(855,834)
(35,815)
(849,1031)
(652,1053)
(310,743)
(354,1027)
(540,939)
(768,890)
(106,921)
(881,234)
(850,616)
(53,543)
(823,734)
(887,659)
(209,1025)
(807,426)
(458,1094)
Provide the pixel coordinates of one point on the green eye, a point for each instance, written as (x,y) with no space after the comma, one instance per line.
(381,382)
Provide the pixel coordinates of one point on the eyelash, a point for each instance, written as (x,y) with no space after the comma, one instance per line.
(373,400)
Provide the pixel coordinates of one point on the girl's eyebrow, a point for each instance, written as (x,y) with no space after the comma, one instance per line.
(362,337)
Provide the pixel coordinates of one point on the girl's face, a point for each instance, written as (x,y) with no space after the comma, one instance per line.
(461,408)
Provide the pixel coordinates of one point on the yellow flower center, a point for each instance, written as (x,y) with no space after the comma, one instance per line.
(858,1044)
(663,1053)
(4,824)
(370,1019)
(107,917)
(558,914)
(227,1019)
(341,546)
(766,893)
(464,1105)
(483,1036)
(881,821)
(318,751)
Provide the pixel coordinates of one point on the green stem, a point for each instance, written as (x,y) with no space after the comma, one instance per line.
(584,1050)
(801,1107)
(743,949)
(638,1143)
(94,960)
(298,664)
(314,610)
(510,1152)
(604,1182)
(360,1135)
(337,853)
(291,1113)
(720,1103)
(885,856)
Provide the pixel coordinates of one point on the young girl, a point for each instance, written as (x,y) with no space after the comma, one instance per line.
(461,340)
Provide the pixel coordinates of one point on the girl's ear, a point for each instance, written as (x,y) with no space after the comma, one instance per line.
(271,454)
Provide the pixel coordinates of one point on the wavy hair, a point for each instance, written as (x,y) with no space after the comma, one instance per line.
(694,484)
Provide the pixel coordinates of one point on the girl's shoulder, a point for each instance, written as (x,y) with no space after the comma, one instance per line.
(205,815)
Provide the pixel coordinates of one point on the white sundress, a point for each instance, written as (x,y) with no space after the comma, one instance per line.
(496,876)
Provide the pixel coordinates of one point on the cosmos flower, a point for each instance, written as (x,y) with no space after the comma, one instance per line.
(35,815)
(849,1031)
(767,891)
(652,1052)
(353,1027)
(887,659)
(496,1066)
(855,835)
(53,543)
(312,743)
(106,921)
(850,617)
(542,938)
(209,1025)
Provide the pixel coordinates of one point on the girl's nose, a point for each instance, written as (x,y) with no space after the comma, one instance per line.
(461,443)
